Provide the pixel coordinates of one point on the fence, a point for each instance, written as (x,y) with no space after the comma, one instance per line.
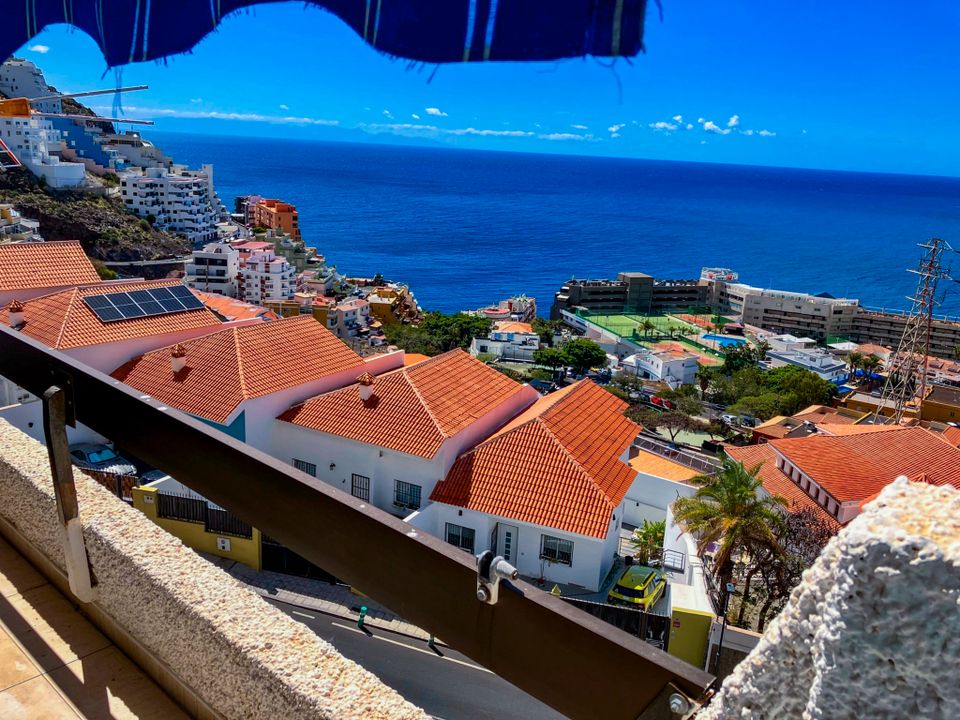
(676,455)
(119,485)
(652,628)
(190,509)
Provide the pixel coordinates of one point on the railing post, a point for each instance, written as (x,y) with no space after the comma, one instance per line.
(65,491)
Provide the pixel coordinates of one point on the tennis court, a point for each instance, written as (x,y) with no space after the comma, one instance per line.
(624,325)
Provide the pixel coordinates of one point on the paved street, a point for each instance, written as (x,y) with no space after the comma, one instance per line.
(448,686)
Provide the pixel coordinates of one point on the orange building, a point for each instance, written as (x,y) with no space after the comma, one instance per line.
(277,215)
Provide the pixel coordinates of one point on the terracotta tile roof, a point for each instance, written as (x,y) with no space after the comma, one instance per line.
(557,465)
(653,464)
(952,436)
(854,466)
(412,410)
(509,326)
(776,483)
(225,368)
(414,358)
(63,321)
(822,414)
(45,265)
(231,309)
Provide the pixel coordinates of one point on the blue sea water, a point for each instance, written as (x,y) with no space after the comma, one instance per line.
(467,228)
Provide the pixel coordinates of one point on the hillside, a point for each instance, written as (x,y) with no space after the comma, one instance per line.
(104,228)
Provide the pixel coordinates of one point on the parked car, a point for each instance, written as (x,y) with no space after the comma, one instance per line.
(660,402)
(640,586)
(730,419)
(101,458)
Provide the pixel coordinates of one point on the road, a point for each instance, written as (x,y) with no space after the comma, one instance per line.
(448,685)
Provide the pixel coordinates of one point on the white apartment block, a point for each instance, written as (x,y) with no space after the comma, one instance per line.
(266,277)
(21,78)
(214,269)
(349,318)
(672,367)
(508,340)
(182,201)
(822,363)
(38,146)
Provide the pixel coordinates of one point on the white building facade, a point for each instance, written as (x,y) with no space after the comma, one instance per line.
(673,368)
(214,269)
(508,341)
(181,201)
(265,277)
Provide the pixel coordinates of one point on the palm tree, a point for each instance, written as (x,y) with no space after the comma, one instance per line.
(871,364)
(704,378)
(647,539)
(648,327)
(731,510)
(855,361)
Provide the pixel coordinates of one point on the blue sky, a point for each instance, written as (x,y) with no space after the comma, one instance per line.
(855,85)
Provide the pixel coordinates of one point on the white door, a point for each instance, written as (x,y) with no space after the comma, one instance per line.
(507,542)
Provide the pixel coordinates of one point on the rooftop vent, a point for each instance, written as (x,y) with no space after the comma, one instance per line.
(365,385)
(16,311)
(178,357)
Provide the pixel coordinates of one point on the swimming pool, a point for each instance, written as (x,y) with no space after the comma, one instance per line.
(725,340)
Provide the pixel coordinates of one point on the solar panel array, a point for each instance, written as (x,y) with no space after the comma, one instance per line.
(142,303)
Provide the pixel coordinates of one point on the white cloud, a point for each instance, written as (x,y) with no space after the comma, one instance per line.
(614,135)
(579,127)
(766,133)
(437,112)
(677,118)
(663,126)
(804,132)
(700,120)
(42,49)
(284,107)
(711,127)
(746,132)
(146,112)
(387,114)
(689,126)
(196,101)
(417,130)
(733,121)
(567,136)
(414,116)
(703,142)
(616,127)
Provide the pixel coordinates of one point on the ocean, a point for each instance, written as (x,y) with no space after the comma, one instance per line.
(467,228)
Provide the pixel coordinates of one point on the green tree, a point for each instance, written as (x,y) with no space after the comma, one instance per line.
(644,416)
(675,422)
(456,330)
(705,376)
(583,354)
(763,406)
(647,539)
(798,388)
(546,329)
(728,510)
(648,327)
(553,358)
(854,361)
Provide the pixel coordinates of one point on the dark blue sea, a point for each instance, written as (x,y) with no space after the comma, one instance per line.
(467,228)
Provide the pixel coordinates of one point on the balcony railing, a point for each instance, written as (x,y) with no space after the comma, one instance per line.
(570,660)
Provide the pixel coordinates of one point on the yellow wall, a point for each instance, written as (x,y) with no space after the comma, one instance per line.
(384,312)
(689,635)
(195,536)
(870,407)
(942,412)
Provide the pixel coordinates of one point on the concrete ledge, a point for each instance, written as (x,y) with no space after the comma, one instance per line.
(873,631)
(212,644)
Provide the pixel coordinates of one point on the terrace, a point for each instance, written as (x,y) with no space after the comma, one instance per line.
(225,638)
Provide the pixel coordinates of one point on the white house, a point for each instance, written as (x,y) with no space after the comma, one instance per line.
(508,340)
(182,201)
(214,269)
(662,475)
(389,439)
(786,342)
(349,318)
(264,277)
(826,365)
(239,379)
(546,491)
(38,146)
(670,366)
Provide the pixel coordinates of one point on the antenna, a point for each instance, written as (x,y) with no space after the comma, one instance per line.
(20,107)
(908,367)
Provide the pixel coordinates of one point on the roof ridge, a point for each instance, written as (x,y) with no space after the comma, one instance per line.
(66,316)
(240,375)
(577,463)
(423,402)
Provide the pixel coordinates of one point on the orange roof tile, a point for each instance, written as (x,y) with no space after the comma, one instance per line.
(658,466)
(414,358)
(225,368)
(952,435)
(231,309)
(822,414)
(557,464)
(853,466)
(776,483)
(509,326)
(45,265)
(63,321)
(412,410)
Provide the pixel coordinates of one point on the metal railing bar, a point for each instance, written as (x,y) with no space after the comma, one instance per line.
(570,660)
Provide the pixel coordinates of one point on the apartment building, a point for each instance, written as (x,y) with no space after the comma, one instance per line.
(508,340)
(886,328)
(14,228)
(278,216)
(823,364)
(214,269)
(39,146)
(182,201)
(264,277)
(673,367)
(632,292)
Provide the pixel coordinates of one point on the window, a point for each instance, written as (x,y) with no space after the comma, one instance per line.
(360,487)
(556,550)
(304,466)
(461,537)
(406,495)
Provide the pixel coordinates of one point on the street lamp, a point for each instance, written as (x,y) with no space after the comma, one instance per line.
(730,588)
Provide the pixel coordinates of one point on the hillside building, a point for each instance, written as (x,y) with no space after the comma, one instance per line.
(181,201)
(214,269)
(278,216)
(508,340)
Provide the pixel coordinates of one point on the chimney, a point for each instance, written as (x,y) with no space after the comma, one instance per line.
(16,310)
(178,358)
(365,385)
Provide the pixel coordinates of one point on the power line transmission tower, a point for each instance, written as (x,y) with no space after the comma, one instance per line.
(907,374)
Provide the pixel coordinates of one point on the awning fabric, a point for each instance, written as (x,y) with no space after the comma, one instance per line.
(433,31)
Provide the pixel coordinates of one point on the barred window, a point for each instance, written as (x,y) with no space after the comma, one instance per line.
(304,466)
(360,487)
(406,495)
(556,550)
(462,537)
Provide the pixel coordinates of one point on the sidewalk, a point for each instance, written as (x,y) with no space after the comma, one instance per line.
(319,596)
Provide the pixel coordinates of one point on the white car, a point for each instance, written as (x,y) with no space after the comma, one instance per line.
(730,419)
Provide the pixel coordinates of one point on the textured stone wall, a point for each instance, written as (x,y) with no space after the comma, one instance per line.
(873,631)
(244,658)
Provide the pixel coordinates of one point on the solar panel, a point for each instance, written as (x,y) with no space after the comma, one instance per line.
(142,303)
